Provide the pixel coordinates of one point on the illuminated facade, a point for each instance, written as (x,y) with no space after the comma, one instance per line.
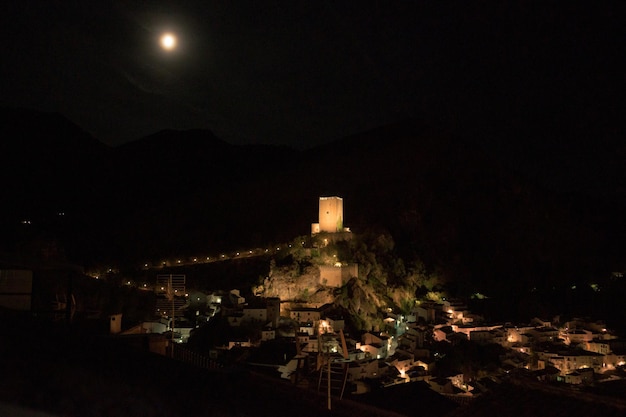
(330,216)
(337,275)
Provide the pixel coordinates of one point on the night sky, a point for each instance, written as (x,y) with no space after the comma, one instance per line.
(303,73)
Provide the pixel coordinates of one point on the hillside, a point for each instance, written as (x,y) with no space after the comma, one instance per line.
(448,205)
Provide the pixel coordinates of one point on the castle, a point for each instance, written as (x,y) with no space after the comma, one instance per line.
(331,226)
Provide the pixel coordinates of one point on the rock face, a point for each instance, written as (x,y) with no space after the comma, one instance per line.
(290,284)
(364,298)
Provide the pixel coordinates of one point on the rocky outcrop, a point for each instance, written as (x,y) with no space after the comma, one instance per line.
(290,284)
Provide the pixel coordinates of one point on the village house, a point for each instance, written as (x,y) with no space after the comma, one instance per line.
(441,385)
(468,329)
(414,336)
(312,345)
(418,373)
(525,349)
(579,377)
(305,315)
(238,342)
(306,328)
(375,350)
(426,311)
(428,364)
(613,360)
(441,333)
(302,338)
(335,323)
(517,335)
(359,370)
(447,334)
(544,334)
(570,361)
(482,337)
(268,333)
(575,337)
(403,361)
(515,360)
(596,327)
(598,346)
(356,355)
(377,346)
(456,312)
(254,314)
(547,374)
(235,319)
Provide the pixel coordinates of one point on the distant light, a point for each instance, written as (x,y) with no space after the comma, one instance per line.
(178,261)
(168,41)
(146,265)
(195,259)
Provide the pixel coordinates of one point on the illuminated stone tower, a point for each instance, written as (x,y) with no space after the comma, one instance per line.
(331,214)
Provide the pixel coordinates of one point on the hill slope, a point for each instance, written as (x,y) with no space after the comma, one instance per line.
(444,201)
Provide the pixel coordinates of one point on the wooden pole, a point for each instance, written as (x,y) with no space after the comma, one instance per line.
(329,380)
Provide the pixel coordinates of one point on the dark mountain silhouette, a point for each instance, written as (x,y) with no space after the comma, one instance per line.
(46,159)
(444,200)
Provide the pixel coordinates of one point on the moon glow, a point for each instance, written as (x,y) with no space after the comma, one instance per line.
(168,41)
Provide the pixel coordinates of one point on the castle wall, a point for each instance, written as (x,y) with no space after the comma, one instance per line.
(331,276)
(337,276)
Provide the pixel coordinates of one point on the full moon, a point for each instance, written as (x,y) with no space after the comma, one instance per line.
(168,41)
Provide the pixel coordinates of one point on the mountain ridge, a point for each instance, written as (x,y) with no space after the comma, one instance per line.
(438,193)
